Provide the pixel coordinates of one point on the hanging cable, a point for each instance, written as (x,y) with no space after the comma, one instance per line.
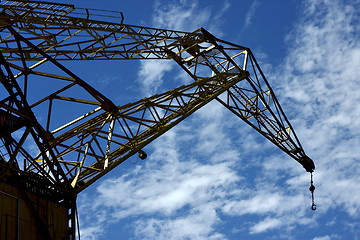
(78,223)
(312,189)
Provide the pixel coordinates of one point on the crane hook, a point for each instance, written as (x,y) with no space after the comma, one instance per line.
(312,189)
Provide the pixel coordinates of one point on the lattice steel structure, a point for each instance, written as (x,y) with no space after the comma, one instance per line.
(36,36)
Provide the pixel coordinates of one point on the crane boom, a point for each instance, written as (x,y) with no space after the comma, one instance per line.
(73,155)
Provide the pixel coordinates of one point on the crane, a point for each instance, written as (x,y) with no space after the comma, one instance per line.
(44,165)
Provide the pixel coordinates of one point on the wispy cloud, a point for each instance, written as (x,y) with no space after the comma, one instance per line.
(250,14)
(184,15)
(265,225)
(151,75)
(321,76)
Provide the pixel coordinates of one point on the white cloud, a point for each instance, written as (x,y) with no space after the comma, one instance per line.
(219,19)
(263,202)
(323,238)
(91,233)
(184,15)
(191,226)
(151,75)
(181,184)
(250,14)
(267,224)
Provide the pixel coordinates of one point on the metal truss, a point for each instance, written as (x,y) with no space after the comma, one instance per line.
(83,149)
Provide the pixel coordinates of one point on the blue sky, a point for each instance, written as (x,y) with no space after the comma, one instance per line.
(212,176)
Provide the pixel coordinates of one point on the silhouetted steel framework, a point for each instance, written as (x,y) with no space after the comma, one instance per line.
(36,36)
